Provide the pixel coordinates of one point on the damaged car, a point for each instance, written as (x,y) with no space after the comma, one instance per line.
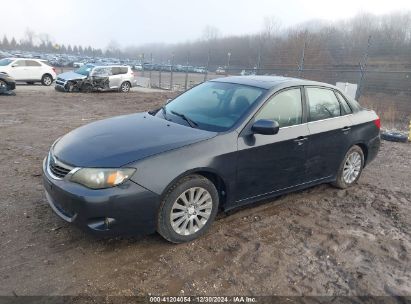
(90,78)
(7,84)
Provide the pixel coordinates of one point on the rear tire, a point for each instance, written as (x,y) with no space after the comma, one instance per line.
(46,80)
(125,87)
(188,209)
(350,168)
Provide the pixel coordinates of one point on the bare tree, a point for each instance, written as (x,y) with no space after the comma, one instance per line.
(211,33)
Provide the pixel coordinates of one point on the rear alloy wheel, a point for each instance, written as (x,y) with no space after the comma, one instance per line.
(188,209)
(47,80)
(125,87)
(351,168)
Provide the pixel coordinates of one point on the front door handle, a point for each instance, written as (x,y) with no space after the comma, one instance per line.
(346,129)
(300,140)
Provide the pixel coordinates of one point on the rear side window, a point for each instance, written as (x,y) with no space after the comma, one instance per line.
(284,107)
(102,72)
(115,70)
(323,104)
(19,63)
(32,63)
(345,108)
(119,70)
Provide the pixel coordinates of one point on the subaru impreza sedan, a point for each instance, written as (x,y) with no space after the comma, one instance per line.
(223,144)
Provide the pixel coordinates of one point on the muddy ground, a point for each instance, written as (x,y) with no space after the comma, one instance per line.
(321,241)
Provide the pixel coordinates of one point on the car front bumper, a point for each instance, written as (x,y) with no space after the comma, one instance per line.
(127,209)
(11,85)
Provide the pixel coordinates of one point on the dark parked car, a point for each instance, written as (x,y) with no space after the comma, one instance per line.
(223,144)
(6,83)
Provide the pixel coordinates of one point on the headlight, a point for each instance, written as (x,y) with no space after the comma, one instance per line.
(101,178)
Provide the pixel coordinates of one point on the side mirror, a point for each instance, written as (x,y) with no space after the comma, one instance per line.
(265,127)
(14,65)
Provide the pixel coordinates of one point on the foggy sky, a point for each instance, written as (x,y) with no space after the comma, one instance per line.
(132,22)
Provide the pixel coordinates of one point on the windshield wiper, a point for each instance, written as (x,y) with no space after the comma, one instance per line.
(191,122)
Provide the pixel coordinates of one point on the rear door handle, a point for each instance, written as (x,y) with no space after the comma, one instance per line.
(300,140)
(346,129)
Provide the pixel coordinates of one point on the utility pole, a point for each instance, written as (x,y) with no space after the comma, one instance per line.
(151,66)
(171,71)
(301,64)
(228,63)
(142,64)
(187,63)
(208,65)
(363,68)
(159,75)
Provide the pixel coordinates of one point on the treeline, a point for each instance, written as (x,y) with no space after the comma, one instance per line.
(42,43)
(383,40)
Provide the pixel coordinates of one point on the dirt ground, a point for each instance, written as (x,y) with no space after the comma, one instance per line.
(321,241)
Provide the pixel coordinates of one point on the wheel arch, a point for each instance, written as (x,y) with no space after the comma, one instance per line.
(364,149)
(47,74)
(210,174)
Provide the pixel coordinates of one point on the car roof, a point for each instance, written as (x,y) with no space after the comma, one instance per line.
(270,82)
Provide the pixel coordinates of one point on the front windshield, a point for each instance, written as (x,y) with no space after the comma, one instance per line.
(84,70)
(213,106)
(5,62)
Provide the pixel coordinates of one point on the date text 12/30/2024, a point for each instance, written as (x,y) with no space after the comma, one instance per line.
(202,299)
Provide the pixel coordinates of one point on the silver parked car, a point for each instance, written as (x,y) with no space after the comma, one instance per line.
(92,77)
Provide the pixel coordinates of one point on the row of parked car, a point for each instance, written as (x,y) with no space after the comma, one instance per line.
(87,78)
(169,68)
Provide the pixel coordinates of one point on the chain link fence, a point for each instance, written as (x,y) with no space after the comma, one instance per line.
(381,72)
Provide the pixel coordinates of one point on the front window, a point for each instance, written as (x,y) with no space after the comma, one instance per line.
(84,70)
(213,106)
(5,62)
(284,107)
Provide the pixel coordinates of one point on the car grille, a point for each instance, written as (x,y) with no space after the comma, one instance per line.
(57,168)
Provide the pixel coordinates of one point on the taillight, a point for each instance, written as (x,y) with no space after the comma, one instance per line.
(377,122)
(54,69)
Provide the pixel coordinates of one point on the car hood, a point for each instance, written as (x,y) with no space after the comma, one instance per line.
(120,140)
(71,76)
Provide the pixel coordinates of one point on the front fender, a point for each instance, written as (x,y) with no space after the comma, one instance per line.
(216,155)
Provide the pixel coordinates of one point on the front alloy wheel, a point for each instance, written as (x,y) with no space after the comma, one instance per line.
(191,211)
(3,85)
(188,209)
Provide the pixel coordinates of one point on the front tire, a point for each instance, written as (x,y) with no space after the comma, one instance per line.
(3,85)
(46,80)
(350,169)
(188,209)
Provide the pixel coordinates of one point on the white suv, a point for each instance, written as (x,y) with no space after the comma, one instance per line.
(28,70)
